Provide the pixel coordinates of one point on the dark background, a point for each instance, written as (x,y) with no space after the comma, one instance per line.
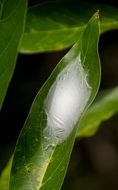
(94,161)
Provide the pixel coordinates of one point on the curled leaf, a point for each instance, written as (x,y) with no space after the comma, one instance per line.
(45,143)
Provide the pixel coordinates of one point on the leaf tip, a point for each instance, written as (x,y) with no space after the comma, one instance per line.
(97,14)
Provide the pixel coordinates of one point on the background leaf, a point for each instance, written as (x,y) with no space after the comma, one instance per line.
(63,25)
(4,178)
(12,17)
(104,107)
(43,149)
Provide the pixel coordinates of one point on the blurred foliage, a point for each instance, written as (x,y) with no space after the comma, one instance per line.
(104,107)
(4,178)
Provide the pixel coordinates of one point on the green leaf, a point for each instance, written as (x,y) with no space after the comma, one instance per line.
(104,107)
(12,17)
(45,143)
(54,26)
(4,178)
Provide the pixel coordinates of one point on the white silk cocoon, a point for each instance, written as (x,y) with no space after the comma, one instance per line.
(65,102)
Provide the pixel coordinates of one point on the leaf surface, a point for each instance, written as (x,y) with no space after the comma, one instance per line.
(45,143)
(12,17)
(56,26)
